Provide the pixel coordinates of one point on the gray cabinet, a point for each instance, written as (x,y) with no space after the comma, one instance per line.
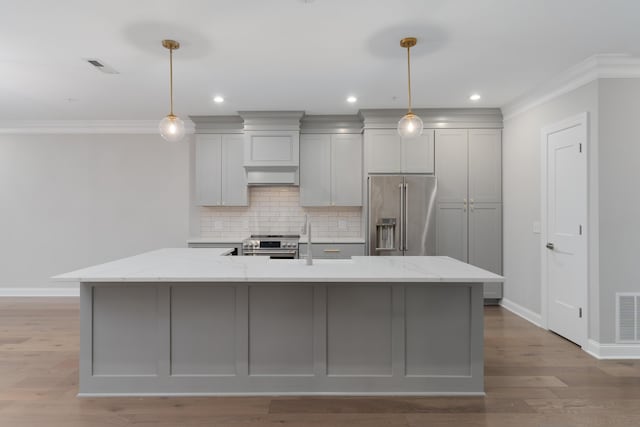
(331,170)
(333,250)
(469,203)
(387,152)
(220,175)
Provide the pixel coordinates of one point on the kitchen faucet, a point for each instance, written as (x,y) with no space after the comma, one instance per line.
(306,229)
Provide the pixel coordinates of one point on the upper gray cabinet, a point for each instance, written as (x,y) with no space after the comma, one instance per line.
(220,174)
(387,152)
(485,166)
(469,165)
(331,170)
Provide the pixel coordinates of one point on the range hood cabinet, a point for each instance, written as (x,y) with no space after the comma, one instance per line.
(272,175)
(272,157)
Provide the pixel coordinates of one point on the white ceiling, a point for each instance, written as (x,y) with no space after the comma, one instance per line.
(292,54)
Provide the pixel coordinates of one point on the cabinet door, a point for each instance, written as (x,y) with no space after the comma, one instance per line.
(208,171)
(417,153)
(346,170)
(485,236)
(383,150)
(451,230)
(333,250)
(451,165)
(485,165)
(234,178)
(315,170)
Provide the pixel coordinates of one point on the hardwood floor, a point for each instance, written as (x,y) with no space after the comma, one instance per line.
(533,378)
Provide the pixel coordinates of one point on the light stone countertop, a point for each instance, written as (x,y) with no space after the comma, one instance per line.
(303,239)
(233,240)
(207,265)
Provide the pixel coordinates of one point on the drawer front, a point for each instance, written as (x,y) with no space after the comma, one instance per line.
(493,290)
(334,250)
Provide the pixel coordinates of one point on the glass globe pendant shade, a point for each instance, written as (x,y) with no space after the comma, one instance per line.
(410,126)
(171,128)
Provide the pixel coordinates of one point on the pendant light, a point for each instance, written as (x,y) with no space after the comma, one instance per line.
(172,126)
(409,125)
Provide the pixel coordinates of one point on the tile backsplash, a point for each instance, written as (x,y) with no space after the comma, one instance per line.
(277,210)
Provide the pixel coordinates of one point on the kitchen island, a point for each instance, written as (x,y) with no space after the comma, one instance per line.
(193,322)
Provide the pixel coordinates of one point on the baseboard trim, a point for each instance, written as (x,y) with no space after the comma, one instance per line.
(521,311)
(612,351)
(40,292)
(291,393)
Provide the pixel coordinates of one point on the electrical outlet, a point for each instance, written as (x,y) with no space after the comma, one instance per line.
(218,225)
(342,224)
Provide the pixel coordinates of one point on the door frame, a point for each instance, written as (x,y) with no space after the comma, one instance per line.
(573,121)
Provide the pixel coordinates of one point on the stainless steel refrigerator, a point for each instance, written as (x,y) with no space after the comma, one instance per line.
(401,215)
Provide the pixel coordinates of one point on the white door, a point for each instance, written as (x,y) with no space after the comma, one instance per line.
(565,250)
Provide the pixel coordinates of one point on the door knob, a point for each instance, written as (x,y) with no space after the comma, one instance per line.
(550,246)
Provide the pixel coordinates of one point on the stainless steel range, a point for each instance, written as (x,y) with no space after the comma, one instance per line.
(276,246)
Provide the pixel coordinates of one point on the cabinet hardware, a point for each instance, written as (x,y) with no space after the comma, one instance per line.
(580,147)
(550,246)
(331,250)
(580,312)
(580,229)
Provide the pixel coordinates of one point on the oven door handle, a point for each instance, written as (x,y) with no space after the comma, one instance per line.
(269,252)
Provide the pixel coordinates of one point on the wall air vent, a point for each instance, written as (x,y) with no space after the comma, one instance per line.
(100,65)
(628,317)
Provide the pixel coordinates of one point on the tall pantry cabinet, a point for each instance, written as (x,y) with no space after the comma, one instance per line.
(468,164)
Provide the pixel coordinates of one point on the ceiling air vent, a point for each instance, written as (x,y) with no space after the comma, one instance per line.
(100,65)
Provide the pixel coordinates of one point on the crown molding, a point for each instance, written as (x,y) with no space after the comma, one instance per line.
(613,66)
(218,124)
(331,124)
(435,118)
(127,127)
(271,120)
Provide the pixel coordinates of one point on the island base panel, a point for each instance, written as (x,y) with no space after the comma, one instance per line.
(265,338)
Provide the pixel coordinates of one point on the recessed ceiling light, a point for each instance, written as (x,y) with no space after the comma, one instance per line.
(352,99)
(218,99)
(475,97)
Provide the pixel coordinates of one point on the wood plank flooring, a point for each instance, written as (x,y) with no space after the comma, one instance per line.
(533,379)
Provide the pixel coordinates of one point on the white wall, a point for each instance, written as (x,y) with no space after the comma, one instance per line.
(619,196)
(70,201)
(521,193)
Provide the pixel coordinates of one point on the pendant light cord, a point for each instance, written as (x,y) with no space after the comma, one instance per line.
(409,74)
(171,79)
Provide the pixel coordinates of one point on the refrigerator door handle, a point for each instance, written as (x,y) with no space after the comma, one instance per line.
(402,224)
(405,220)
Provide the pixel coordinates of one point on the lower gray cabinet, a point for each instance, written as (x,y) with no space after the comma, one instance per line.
(333,250)
(472,234)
